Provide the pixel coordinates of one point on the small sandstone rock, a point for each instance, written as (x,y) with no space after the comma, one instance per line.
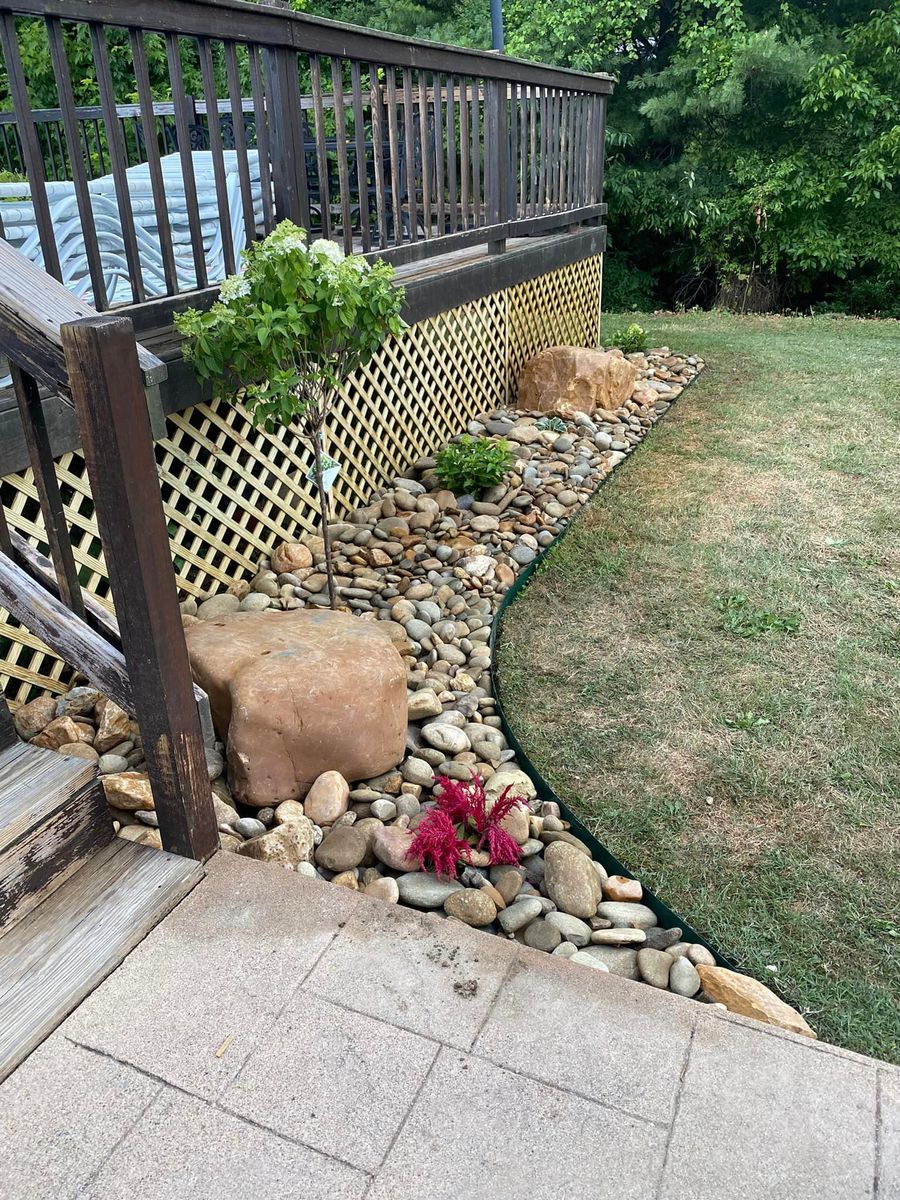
(289,557)
(750,998)
(654,966)
(130,791)
(471,905)
(287,844)
(619,887)
(571,882)
(328,798)
(391,846)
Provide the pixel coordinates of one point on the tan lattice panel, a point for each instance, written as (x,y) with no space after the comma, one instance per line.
(230,491)
(561,308)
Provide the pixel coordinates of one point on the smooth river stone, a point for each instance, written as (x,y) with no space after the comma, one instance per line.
(520,914)
(627,916)
(421,889)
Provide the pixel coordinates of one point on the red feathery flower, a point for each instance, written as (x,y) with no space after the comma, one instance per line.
(438,842)
(501,846)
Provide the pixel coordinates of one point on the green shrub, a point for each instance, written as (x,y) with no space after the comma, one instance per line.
(630,340)
(285,334)
(627,288)
(471,465)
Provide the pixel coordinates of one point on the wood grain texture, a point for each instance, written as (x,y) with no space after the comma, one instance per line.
(118,450)
(59,952)
(54,818)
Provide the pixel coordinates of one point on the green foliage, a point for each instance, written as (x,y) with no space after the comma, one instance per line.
(557,424)
(471,465)
(630,340)
(626,288)
(288,331)
(748,721)
(745,622)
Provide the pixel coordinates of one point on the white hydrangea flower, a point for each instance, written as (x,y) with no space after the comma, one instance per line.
(360,265)
(234,287)
(325,248)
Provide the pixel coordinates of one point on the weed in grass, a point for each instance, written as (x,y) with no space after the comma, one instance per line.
(743,621)
(748,721)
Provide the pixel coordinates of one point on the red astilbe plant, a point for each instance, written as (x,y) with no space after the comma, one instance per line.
(462,821)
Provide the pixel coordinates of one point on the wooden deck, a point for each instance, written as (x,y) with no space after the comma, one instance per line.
(57,954)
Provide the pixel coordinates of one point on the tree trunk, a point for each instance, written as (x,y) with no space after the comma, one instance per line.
(323,509)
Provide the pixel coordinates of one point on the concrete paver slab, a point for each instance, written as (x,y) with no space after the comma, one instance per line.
(61,1113)
(336,1080)
(220,967)
(484,1133)
(423,973)
(762,1115)
(621,1053)
(185,1149)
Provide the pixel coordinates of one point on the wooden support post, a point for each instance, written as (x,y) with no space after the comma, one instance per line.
(496,157)
(109,398)
(284,117)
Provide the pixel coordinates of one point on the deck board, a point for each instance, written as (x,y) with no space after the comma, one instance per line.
(57,954)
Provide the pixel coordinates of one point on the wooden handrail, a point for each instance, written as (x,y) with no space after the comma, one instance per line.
(33,309)
(246,22)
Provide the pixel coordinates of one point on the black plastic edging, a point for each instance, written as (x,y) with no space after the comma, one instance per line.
(666,917)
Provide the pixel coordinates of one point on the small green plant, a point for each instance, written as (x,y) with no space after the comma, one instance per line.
(285,334)
(471,465)
(748,721)
(557,424)
(630,340)
(743,621)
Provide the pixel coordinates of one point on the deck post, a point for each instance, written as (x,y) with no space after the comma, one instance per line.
(106,386)
(497,157)
(285,119)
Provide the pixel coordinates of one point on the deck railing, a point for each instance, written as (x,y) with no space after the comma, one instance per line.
(398,148)
(138,658)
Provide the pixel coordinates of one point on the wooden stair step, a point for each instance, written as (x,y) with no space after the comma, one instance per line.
(52,958)
(53,817)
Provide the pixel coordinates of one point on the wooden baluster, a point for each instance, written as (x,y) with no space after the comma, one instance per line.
(475,130)
(340,122)
(425,150)
(288,144)
(465,170)
(544,106)
(452,85)
(394,144)
(76,160)
(218,156)
(359,138)
(377,105)
(412,170)
(532,150)
(116,149)
(118,448)
(497,157)
(440,199)
(601,152)
(261,117)
(183,132)
(37,439)
(154,164)
(31,151)
(315,70)
(240,140)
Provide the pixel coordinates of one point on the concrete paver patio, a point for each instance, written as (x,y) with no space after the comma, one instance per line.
(277,1037)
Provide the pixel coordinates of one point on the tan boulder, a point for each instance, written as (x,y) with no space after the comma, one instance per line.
(291,556)
(61,732)
(286,845)
(573,379)
(750,998)
(571,881)
(295,694)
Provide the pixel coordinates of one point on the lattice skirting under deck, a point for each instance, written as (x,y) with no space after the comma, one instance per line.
(231,491)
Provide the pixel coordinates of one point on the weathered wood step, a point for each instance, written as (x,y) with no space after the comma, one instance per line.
(59,952)
(53,817)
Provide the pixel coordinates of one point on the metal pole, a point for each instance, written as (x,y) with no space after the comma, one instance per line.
(497,25)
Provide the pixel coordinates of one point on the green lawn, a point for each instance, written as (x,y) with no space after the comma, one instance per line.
(708,667)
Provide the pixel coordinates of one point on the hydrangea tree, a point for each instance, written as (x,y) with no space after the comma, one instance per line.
(285,334)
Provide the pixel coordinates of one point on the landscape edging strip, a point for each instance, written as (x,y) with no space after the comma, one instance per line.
(665,915)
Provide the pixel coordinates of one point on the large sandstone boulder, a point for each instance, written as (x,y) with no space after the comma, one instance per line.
(573,379)
(750,998)
(295,694)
